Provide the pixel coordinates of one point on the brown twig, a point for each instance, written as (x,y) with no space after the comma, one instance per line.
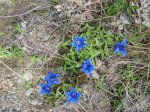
(12,70)
(17,15)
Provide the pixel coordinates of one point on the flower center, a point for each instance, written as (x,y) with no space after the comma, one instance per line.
(121,47)
(46,88)
(78,42)
(52,79)
(87,67)
(73,94)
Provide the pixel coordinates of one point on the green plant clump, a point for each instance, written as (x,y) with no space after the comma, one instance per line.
(11,53)
(99,45)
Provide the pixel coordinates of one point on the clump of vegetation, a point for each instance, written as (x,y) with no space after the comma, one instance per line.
(128,66)
(120,6)
(99,44)
(79,57)
(11,53)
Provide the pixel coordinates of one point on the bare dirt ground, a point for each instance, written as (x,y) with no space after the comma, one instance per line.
(43,25)
(42,29)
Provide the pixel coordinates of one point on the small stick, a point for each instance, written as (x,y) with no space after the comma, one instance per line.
(12,70)
(82,107)
(76,109)
(22,13)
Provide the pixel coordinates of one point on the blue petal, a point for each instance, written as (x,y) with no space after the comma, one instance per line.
(76,37)
(92,67)
(83,39)
(69,98)
(47,78)
(123,52)
(73,90)
(87,73)
(88,61)
(124,42)
(77,49)
(57,75)
(52,76)
(57,82)
(67,93)
(84,45)
(47,92)
(81,66)
(49,83)
(78,95)
(74,100)
(116,48)
(50,73)
(42,85)
(43,91)
(83,69)
(87,70)
(78,46)
(73,43)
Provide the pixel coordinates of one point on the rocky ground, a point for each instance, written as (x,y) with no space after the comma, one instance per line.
(42,25)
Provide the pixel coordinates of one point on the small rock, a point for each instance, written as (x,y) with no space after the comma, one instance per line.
(18,109)
(120,27)
(34,102)
(138,20)
(146,23)
(109,32)
(23,25)
(119,22)
(19,81)
(28,76)
(29,92)
(31,33)
(132,3)
(19,37)
(95,75)
(36,81)
(98,64)
(50,110)
(145,16)
(124,18)
(103,69)
(58,8)
(116,23)
(61,15)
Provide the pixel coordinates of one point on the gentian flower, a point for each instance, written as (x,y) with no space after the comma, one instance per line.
(52,78)
(87,67)
(120,47)
(78,43)
(45,88)
(73,96)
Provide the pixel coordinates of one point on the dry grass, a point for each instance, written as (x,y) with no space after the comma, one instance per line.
(46,27)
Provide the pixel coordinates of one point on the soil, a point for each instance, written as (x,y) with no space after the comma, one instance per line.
(41,32)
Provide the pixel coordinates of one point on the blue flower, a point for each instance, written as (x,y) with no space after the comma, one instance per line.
(78,43)
(73,96)
(45,89)
(120,47)
(52,78)
(87,67)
